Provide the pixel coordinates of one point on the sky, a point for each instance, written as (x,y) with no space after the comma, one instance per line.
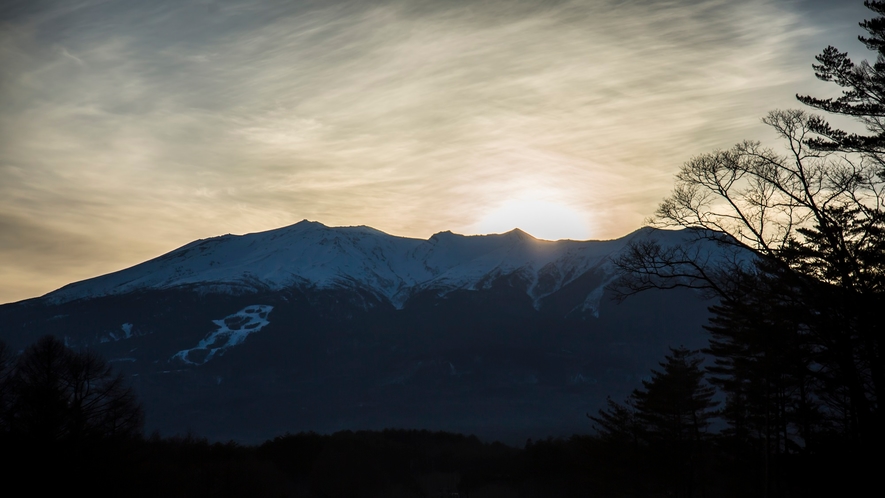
(130,128)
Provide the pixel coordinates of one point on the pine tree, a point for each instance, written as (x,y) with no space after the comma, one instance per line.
(863,97)
(666,421)
(765,362)
(618,423)
(676,404)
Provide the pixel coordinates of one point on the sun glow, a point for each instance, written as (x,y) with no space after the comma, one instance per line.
(541,219)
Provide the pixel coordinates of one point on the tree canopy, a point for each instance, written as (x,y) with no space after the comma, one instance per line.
(799,271)
(666,420)
(51,394)
(863,97)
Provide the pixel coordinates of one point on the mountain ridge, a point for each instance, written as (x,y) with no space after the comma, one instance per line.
(311,254)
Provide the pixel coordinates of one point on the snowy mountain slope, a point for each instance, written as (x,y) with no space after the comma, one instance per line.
(312,255)
(247,337)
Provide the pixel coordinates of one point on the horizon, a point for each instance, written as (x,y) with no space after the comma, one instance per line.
(132,129)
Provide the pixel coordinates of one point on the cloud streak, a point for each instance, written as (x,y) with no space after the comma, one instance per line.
(137,128)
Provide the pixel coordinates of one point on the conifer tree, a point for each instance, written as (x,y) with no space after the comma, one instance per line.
(765,364)
(618,423)
(676,404)
(676,407)
(863,97)
(666,422)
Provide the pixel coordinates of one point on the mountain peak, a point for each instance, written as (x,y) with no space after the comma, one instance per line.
(519,234)
(444,235)
(305,223)
(302,225)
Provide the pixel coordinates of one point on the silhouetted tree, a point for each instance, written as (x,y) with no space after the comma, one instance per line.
(58,395)
(665,423)
(817,220)
(619,423)
(675,407)
(676,404)
(793,247)
(5,388)
(863,97)
(766,364)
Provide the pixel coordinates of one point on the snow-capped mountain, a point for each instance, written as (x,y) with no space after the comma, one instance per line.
(312,255)
(310,327)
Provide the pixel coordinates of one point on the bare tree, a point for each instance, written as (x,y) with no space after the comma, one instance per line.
(820,214)
(813,220)
(57,394)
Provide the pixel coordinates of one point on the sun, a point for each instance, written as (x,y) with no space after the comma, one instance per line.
(542,219)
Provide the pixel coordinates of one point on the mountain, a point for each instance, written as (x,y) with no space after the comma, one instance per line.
(310,327)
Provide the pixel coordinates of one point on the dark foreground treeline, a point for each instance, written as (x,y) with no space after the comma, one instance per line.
(409,463)
(69,423)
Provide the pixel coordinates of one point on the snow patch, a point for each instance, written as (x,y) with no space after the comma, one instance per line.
(593,301)
(115,336)
(232,331)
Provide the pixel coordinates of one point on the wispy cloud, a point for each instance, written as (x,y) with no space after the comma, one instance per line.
(137,127)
